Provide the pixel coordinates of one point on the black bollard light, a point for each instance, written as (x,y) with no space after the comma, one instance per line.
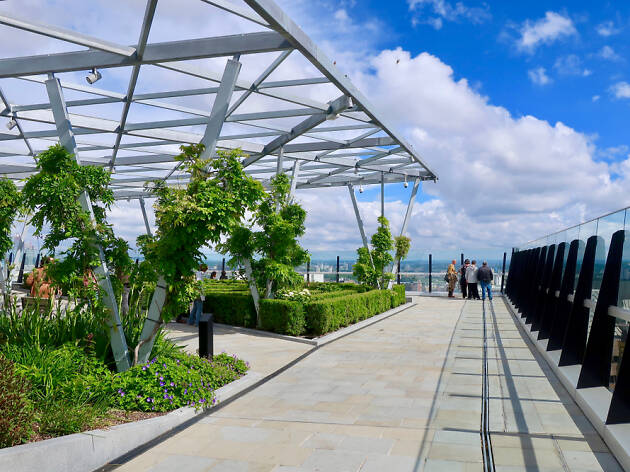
(206,333)
(21,273)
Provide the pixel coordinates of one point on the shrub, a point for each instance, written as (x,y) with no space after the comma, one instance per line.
(167,383)
(282,316)
(398,296)
(228,285)
(233,308)
(16,412)
(330,314)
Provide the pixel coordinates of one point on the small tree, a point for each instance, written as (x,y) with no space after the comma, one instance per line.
(270,254)
(209,208)
(370,268)
(402,244)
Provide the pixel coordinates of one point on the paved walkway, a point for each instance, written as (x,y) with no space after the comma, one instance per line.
(264,353)
(401,395)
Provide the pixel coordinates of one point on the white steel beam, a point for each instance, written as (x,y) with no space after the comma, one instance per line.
(280,21)
(66,35)
(155,53)
(220,107)
(140,48)
(358,215)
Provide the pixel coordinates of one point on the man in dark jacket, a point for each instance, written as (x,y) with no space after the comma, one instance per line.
(484,274)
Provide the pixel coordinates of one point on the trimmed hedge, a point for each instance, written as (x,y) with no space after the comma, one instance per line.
(233,308)
(329,315)
(398,298)
(282,316)
(324,312)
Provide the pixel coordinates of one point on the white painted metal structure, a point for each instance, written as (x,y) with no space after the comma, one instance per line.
(267,90)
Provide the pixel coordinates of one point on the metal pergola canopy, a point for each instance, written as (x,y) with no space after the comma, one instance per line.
(267,90)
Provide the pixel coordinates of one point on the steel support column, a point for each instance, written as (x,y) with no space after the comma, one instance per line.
(358,215)
(294,179)
(144,217)
(403,230)
(66,136)
(382,194)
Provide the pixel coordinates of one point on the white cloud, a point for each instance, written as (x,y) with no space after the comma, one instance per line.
(608,53)
(571,65)
(620,90)
(442,10)
(552,27)
(539,76)
(504,179)
(595,98)
(607,28)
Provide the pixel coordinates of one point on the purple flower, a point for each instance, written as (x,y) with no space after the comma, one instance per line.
(165,396)
(172,384)
(149,399)
(185,391)
(144,367)
(162,384)
(161,378)
(214,401)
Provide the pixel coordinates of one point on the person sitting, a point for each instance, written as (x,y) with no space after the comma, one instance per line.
(38,280)
(223,275)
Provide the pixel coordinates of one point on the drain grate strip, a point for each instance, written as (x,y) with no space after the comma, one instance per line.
(486,443)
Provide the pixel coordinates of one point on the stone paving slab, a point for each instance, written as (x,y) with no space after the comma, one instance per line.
(401,395)
(265,354)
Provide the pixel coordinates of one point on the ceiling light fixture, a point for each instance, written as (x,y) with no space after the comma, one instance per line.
(12,123)
(93,76)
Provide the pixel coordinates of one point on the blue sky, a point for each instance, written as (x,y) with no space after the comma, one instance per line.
(520,107)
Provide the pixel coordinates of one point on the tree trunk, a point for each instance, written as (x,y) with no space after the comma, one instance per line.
(253,289)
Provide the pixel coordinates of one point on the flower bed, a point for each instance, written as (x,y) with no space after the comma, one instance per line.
(51,386)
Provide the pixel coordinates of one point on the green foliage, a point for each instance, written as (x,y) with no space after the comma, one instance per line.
(371,265)
(282,316)
(274,250)
(211,206)
(229,285)
(233,308)
(330,314)
(53,196)
(167,383)
(402,245)
(16,412)
(10,201)
(398,297)
(69,387)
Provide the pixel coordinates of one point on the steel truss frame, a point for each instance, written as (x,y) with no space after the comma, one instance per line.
(362,148)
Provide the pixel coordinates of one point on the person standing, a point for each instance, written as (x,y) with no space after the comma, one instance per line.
(197,308)
(471,280)
(485,276)
(451,278)
(463,285)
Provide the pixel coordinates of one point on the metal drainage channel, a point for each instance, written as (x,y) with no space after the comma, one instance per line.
(486,443)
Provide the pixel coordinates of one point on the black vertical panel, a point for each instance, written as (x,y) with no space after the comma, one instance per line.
(536,284)
(503,272)
(574,343)
(513,275)
(598,356)
(619,411)
(549,310)
(541,300)
(563,306)
(529,285)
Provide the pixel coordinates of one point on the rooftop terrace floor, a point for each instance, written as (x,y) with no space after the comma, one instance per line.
(404,394)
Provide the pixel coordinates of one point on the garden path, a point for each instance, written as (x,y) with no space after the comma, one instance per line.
(400,395)
(264,353)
